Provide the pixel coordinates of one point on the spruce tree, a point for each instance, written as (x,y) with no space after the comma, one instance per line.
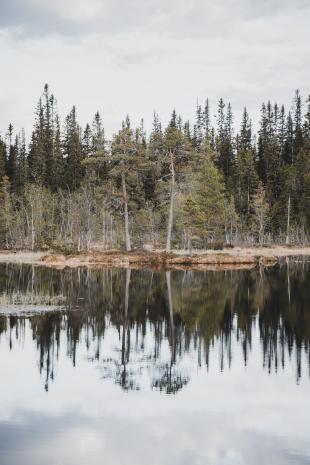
(12,158)
(48,135)
(262,144)
(211,199)
(198,129)
(3,151)
(36,158)
(22,165)
(73,152)
(56,180)
(245,181)
(224,140)
(288,149)
(154,154)
(260,207)
(5,213)
(306,126)
(207,123)
(245,136)
(298,130)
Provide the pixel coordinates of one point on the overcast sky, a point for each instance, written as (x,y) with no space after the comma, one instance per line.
(138,56)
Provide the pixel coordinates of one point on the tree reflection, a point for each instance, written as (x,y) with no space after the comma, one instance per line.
(158,319)
(170,379)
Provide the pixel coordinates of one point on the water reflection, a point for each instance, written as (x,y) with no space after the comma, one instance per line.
(144,328)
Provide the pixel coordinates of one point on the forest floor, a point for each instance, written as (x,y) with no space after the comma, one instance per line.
(232,258)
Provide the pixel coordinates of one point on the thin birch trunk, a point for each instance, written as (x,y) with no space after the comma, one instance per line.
(190,244)
(32,230)
(287,241)
(170,219)
(127,235)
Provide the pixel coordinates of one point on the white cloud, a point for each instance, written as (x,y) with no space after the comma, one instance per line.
(171,17)
(134,57)
(79,11)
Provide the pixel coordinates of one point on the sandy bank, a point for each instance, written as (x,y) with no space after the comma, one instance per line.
(236,258)
(22,257)
(157,260)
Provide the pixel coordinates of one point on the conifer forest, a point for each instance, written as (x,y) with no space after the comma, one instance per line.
(187,185)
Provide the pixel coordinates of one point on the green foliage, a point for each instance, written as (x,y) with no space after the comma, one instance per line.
(5,213)
(261,208)
(73,152)
(184,185)
(245,182)
(211,197)
(2,158)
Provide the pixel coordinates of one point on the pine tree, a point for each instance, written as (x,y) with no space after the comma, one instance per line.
(36,159)
(211,199)
(95,149)
(124,151)
(281,131)
(73,151)
(221,118)
(191,219)
(299,188)
(56,180)
(298,132)
(5,213)
(262,143)
(22,165)
(288,148)
(48,134)
(173,120)
(98,137)
(87,142)
(306,127)
(176,148)
(245,136)
(201,205)
(12,158)
(245,179)
(3,151)
(154,154)
(260,207)
(45,161)
(207,123)
(198,129)
(224,140)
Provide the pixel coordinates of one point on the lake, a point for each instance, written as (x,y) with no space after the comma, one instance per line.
(144,367)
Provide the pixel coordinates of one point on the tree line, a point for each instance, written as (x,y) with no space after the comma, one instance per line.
(182,186)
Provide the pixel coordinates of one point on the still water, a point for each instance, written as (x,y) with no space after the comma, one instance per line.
(140,367)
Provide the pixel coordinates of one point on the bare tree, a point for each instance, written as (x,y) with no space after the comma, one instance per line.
(261,209)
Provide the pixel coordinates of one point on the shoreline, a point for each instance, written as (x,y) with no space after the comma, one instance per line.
(235,258)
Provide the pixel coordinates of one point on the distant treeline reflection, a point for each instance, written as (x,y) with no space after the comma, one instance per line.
(191,313)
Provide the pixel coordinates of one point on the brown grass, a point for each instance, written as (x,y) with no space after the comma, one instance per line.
(245,257)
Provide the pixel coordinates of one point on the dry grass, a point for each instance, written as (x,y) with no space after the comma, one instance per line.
(238,257)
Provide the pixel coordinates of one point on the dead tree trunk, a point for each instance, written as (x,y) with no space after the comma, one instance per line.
(32,230)
(171,204)
(287,241)
(125,199)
